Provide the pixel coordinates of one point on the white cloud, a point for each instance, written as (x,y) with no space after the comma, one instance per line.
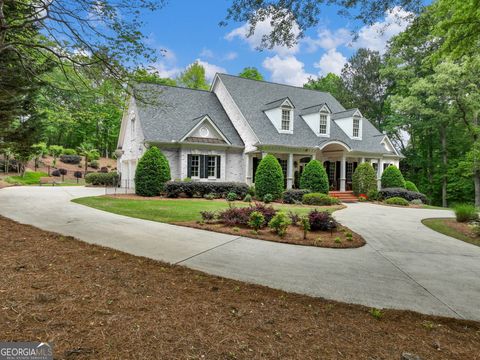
(286,70)
(206,53)
(262,28)
(166,71)
(331,62)
(211,69)
(232,55)
(376,36)
(328,39)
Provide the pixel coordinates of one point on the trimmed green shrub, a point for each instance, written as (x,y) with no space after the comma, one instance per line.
(153,171)
(465,212)
(69,152)
(409,185)
(268,198)
(247,198)
(209,196)
(71,159)
(364,179)
(403,193)
(280,223)
(231,196)
(392,178)
(396,201)
(109,179)
(256,220)
(319,199)
(293,196)
(416,202)
(314,177)
(251,190)
(372,195)
(174,189)
(94,164)
(269,178)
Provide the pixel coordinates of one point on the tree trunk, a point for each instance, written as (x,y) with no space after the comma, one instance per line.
(476,180)
(443,135)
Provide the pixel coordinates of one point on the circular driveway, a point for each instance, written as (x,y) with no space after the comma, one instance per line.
(404,265)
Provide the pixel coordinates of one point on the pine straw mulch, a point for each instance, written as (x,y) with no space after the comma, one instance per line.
(97,303)
(294,235)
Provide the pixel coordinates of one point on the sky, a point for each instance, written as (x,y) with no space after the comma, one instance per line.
(189,31)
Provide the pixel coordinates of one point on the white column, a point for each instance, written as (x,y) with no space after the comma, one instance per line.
(314,156)
(362,160)
(343,172)
(290,171)
(248,168)
(264,154)
(379,173)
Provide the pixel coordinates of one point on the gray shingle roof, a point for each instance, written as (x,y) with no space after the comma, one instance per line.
(168,113)
(344,114)
(252,95)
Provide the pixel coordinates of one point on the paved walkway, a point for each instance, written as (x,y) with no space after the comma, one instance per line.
(404,265)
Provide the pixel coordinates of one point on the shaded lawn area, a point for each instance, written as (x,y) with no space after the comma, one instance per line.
(30,178)
(98,303)
(451,227)
(177,210)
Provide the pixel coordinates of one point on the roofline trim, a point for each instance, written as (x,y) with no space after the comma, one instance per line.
(334,142)
(203,119)
(386,138)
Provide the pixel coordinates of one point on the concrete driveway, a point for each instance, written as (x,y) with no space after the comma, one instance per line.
(404,264)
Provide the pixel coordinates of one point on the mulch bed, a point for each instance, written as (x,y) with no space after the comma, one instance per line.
(294,235)
(97,303)
(463,228)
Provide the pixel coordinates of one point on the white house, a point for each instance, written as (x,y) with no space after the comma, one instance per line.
(222,134)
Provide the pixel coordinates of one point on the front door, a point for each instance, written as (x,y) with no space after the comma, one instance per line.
(333,172)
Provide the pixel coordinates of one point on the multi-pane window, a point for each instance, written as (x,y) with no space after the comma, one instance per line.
(195,166)
(356,126)
(211,166)
(323,123)
(286,119)
(331,172)
(283,164)
(349,171)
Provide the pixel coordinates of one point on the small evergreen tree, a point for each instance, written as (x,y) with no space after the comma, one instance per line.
(392,178)
(409,185)
(314,178)
(364,179)
(269,178)
(153,171)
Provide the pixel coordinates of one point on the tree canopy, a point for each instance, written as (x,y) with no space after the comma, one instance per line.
(194,77)
(251,73)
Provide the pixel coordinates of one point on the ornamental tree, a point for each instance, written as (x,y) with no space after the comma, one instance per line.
(314,178)
(153,171)
(392,178)
(364,179)
(269,178)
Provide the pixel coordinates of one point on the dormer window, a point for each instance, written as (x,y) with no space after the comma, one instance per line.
(356,127)
(286,118)
(322,129)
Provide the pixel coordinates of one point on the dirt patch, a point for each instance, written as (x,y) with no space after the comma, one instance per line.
(335,239)
(463,228)
(4,184)
(96,303)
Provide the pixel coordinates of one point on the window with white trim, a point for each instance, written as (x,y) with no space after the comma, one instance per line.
(356,126)
(195,166)
(211,166)
(323,123)
(286,119)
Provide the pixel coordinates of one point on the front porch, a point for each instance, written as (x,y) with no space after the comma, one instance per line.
(337,158)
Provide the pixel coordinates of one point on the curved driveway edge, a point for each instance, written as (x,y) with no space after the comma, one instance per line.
(404,265)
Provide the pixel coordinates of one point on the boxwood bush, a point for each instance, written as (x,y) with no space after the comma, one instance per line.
(269,178)
(409,185)
(392,178)
(364,179)
(319,199)
(293,196)
(153,171)
(396,201)
(403,193)
(314,177)
(108,179)
(175,189)
(70,159)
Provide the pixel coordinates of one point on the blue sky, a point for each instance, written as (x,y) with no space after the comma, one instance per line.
(189,31)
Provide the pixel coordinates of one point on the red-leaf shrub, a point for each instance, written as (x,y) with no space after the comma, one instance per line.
(240,216)
(321,220)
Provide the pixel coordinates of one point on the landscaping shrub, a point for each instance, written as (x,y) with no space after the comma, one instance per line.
(403,193)
(293,196)
(247,198)
(209,196)
(174,189)
(268,198)
(153,171)
(280,223)
(70,159)
(314,177)
(68,152)
(267,211)
(392,178)
(305,222)
(240,216)
(94,164)
(294,217)
(269,178)
(475,228)
(231,196)
(256,220)
(104,169)
(362,197)
(108,179)
(56,173)
(321,220)
(465,212)
(409,185)
(63,171)
(251,190)
(372,195)
(396,201)
(208,216)
(416,202)
(78,174)
(364,179)
(319,199)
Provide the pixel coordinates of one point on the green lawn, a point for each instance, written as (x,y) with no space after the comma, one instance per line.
(175,210)
(30,178)
(440,226)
